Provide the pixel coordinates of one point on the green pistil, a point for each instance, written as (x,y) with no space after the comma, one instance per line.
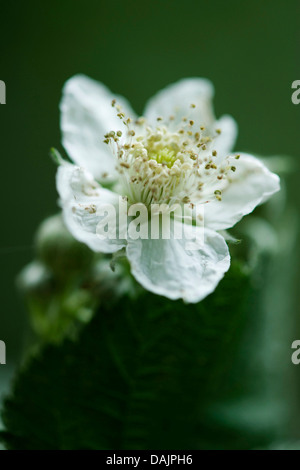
(164,156)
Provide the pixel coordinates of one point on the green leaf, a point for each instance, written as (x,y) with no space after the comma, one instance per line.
(141,375)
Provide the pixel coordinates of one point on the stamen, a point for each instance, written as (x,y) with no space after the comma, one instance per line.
(160,164)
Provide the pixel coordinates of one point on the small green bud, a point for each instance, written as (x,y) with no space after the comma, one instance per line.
(57,248)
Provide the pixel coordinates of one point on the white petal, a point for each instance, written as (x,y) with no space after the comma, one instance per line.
(252,184)
(86,115)
(167,268)
(81,198)
(176,99)
(224,143)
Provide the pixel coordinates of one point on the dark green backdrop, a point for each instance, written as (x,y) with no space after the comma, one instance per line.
(249,49)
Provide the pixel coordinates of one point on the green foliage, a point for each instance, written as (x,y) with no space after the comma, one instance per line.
(66,282)
(141,375)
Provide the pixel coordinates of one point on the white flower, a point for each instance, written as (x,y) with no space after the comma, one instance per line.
(178,153)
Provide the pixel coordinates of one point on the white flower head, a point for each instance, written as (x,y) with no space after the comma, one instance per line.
(176,155)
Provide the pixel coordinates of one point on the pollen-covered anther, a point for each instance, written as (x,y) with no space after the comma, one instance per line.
(91,209)
(125,165)
(110,135)
(218,194)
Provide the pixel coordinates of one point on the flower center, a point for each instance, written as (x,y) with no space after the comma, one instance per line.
(165,156)
(168,165)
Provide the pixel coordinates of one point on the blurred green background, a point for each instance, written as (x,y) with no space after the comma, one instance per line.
(250,50)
